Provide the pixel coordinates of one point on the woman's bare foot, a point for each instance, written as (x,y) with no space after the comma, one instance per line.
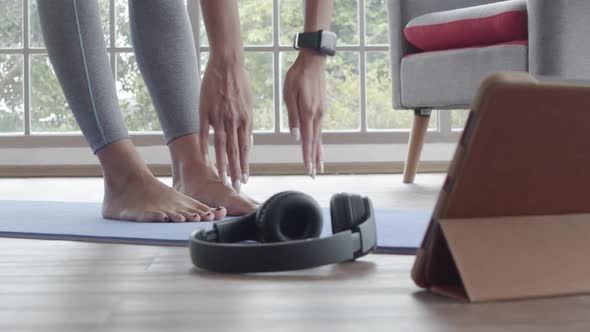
(200,181)
(133,193)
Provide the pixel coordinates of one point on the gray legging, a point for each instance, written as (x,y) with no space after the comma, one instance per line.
(165,52)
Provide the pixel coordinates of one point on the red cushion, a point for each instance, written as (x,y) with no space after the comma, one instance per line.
(467,27)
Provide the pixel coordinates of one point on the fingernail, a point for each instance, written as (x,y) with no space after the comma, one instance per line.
(251,140)
(313,173)
(206,159)
(237,186)
(218,208)
(322,167)
(309,168)
(244,178)
(296,134)
(209,213)
(224,177)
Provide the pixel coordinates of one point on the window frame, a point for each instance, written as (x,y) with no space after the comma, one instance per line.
(442,134)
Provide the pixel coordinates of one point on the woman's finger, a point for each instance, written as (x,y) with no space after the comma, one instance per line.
(233,154)
(220,143)
(319,149)
(244,135)
(204,136)
(320,160)
(290,97)
(307,138)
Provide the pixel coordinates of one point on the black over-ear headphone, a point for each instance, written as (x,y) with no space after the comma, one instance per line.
(287,227)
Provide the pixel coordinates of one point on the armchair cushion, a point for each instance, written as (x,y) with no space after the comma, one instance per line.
(482,25)
(445,79)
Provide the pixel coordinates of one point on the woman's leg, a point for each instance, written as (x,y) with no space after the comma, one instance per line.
(75,44)
(166,56)
(74,40)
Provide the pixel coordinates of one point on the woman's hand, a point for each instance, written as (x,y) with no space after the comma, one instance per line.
(305,96)
(226,105)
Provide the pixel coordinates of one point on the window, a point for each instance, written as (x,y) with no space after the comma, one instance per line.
(359,85)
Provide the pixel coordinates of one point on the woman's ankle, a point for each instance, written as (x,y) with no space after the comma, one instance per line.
(186,156)
(121,163)
(186,149)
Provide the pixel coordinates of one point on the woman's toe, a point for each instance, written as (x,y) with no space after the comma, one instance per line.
(208,216)
(219,212)
(154,216)
(176,217)
(191,216)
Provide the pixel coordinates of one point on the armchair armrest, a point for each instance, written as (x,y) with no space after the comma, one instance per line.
(400,12)
(558,38)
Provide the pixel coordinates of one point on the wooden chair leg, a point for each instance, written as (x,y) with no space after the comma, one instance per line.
(419,129)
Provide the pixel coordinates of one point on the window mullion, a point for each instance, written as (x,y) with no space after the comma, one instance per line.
(362,68)
(272,48)
(26,70)
(276,66)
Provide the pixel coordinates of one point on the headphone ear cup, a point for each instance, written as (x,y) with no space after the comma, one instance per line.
(288,216)
(346,211)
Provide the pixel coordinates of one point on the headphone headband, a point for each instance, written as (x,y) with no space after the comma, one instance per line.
(267,257)
(346,245)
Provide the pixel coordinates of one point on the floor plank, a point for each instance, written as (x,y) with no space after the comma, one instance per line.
(74,286)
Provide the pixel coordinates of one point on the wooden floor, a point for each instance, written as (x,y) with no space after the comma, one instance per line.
(73,286)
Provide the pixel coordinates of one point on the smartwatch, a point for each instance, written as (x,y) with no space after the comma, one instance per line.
(324,42)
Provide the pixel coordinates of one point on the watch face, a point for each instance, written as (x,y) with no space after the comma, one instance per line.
(328,43)
(328,40)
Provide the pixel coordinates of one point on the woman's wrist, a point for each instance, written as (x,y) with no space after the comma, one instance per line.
(227,56)
(311,57)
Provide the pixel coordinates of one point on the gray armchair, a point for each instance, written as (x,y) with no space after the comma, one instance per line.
(559,45)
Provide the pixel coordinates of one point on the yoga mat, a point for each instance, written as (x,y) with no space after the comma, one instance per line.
(399,231)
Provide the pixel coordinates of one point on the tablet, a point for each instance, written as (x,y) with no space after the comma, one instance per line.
(525,151)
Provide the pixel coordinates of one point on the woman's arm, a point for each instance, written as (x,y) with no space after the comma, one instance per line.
(305,89)
(226,98)
(222,22)
(318,14)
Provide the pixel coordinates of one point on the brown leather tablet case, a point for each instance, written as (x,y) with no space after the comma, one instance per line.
(513,217)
